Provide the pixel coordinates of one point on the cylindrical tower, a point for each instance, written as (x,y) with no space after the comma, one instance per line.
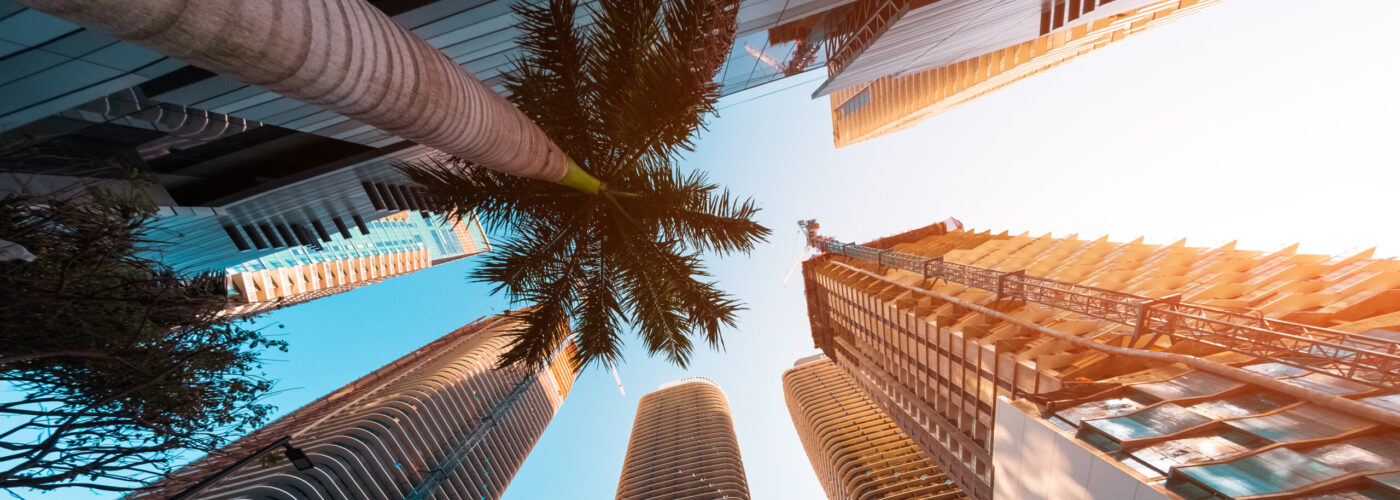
(855,449)
(683,446)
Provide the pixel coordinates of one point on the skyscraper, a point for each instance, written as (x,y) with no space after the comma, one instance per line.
(240,172)
(55,67)
(396,245)
(1169,430)
(683,446)
(936,324)
(855,449)
(441,421)
(902,95)
(893,63)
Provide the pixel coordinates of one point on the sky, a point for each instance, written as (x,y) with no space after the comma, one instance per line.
(1269,122)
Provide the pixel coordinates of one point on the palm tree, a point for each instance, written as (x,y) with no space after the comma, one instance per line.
(347,57)
(625,97)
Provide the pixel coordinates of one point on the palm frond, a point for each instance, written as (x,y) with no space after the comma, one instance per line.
(691,208)
(519,265)
(551,83)
(647,278)
(541,329)
(676,89)
(623,98)
(624,32)
(503,202)
(545,325)
(599,315)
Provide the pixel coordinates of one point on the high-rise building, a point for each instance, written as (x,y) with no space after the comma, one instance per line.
(855,449)
(683,446)
(441,422)
(909,90)
(936,324)
(1172,432)
(239,172)
(51,67)
(893,63)
(396,245)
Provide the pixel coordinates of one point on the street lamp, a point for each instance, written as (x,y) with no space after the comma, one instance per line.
(298,457)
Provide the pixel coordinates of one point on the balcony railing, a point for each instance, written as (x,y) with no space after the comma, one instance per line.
(1361,358)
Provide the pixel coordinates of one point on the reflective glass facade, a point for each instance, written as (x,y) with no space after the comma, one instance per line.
(398,244)
(394,234)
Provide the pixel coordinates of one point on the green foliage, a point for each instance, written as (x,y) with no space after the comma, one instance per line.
(122,363)
(623,98)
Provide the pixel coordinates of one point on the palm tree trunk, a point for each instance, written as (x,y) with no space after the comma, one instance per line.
(345,56)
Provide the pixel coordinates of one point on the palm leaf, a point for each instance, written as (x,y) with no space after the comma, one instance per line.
(623,97)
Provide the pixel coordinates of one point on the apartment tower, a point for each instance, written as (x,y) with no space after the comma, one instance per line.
(937,324)
(855,449)
(441,422)
(893,63)
(683,446)
(899,91)
(395,245)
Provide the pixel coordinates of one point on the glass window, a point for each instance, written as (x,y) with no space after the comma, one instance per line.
(1273,471)
(1304,422)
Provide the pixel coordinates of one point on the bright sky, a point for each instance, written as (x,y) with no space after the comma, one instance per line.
(1266,121)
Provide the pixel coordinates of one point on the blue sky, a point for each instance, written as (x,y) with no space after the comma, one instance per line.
(1264,121)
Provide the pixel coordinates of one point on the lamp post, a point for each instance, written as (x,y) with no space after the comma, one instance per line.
(294,454)
(298,457)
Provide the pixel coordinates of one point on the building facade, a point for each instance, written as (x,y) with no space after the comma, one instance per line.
(238,172)
(396,245)
(1170,432)
(441,422)
(855,449)
(904,93)
(49,66)
(683,446)
(983,316)
(893,63)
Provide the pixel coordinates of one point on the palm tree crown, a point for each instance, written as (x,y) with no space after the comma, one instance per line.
(623,98)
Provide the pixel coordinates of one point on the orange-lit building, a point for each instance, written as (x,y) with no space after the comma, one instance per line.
(855,449)
(943,327)
(901,99)
(891,64)
(441,422)
(395,245)
(683,446)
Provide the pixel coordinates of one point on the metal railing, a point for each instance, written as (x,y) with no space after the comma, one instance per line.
(1356,357)
(859,30)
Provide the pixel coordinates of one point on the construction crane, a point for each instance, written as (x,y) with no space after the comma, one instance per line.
(767,59)
(1370,360)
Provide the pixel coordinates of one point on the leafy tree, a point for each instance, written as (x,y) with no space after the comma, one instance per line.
(625,97)
(115,364)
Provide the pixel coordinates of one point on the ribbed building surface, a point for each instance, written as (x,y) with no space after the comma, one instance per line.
(441,422)
(937,367)
(904,95)
(683,446)
(856,450)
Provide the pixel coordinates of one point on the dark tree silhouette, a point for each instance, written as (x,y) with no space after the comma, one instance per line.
(113,364)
